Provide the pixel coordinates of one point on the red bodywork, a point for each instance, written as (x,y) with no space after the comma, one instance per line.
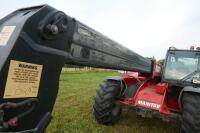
(151,94)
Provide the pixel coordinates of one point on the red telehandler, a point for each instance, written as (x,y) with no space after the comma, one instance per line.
(36,42)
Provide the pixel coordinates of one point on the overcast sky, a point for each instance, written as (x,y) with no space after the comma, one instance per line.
(148,27)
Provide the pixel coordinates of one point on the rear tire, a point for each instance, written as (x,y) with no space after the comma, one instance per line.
(106,111)
(191,113)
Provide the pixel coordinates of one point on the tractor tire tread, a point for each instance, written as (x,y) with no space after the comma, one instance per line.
(104,103)
(190,113)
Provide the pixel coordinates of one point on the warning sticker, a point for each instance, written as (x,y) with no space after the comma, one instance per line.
(23,80)
(5,34)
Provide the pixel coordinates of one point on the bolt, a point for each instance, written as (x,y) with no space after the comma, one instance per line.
(54,29)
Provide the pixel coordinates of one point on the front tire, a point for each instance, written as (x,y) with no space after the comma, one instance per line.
(191,113)
(106,111)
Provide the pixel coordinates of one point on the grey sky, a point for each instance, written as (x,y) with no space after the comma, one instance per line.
(148,27)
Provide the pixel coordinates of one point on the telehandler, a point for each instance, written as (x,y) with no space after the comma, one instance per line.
(36,42)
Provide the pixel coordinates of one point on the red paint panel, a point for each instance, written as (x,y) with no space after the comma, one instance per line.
(173,104)
(161,88)
(148,97)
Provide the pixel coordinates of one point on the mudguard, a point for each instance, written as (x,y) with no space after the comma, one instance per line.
(191,89)
(187,89)
(129,84)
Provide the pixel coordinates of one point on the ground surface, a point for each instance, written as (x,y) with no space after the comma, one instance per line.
(73,109)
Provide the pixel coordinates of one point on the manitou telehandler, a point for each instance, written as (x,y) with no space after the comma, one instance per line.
(36,42)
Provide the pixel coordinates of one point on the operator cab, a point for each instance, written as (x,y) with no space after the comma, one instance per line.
(182,67)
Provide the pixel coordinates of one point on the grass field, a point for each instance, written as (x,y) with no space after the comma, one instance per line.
(73,111)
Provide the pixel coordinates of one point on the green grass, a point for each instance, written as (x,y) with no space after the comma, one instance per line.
(73,111)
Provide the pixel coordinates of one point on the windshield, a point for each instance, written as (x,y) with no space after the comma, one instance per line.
(180,64)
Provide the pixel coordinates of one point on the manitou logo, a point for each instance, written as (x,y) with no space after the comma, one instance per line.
(148,104)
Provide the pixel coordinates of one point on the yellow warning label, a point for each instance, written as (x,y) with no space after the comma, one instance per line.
(5,34)
(23,80)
